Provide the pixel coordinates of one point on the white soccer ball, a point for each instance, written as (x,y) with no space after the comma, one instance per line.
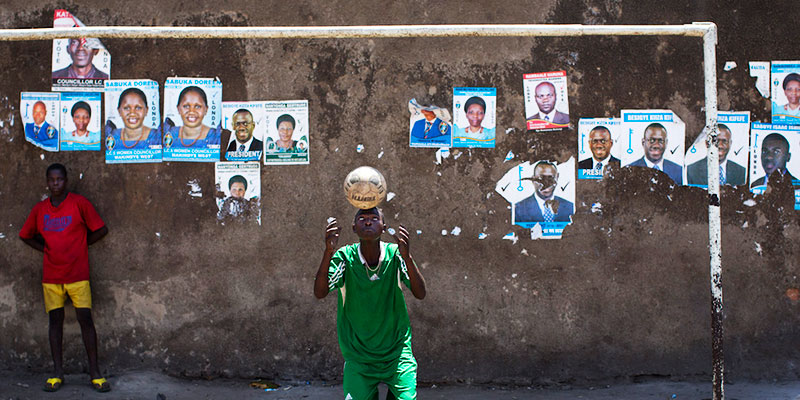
(365,187)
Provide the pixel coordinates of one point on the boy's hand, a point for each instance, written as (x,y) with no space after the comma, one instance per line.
(332,236)
(403,243)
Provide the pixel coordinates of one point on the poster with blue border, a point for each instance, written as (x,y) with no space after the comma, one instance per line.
(429,126)
(771,147)
(785,93)
(41,118)
(474,117)
(80,121)
(654,139)
(132,130)
(247,124)
(598,146)
(192,125)
(734,148)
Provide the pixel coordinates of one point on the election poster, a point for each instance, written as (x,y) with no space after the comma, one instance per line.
(771,147)
(287,140)
(474,117)
(546,103)
(733,140)
(247,123)
(429,126)
(80,121)
(79,65)
(654,139)
(238,190)
(192,125)
(598,146)
(133,122)
(542,196)
(41,117)
(785,78)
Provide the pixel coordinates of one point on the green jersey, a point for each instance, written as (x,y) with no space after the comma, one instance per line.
(371,316)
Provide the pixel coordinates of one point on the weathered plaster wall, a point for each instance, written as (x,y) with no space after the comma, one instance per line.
(624,293)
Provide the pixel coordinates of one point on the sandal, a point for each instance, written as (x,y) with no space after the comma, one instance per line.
(101,385)
(53,384)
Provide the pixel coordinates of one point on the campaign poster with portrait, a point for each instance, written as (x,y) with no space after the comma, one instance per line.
(546,103)
(132,130)
(41,118)
(287,140)
(733,140)
(654,139)
(785,79)
(598,146)
(771,147)
(238,190)
(474,117)
(79,65)
(542,196)
(80,121)
(192,125)
(429,126)
(246,122)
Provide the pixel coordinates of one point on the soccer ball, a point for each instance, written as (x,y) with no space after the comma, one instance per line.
(365,187)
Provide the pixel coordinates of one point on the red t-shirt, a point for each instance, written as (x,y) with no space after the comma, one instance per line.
(64,229)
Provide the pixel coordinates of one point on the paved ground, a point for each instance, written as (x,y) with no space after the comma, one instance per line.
(151,385)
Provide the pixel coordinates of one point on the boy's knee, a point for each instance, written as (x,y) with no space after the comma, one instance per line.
(84,315)
(56,315)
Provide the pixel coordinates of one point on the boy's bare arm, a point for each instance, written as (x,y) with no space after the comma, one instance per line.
(37,242)
(94,236)
(331,240)
(414,276)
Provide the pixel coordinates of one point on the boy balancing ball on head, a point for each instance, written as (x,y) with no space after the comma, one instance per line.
(371,316)
(62,227)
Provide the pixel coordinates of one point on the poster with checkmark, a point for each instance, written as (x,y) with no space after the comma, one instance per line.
(734,148)
(598,146)
(542,196)
(771,148)
(654,139)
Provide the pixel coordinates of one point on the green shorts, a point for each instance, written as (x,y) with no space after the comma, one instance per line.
(361,379)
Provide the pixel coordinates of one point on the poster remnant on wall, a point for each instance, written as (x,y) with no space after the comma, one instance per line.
(733,140)
(288,132)
(80,121)
(246,122)
(654,139)
(785,78)
(474,117)
(238,190)
(40,115)
(429,126)
(771,147)
(79,65)
(546,103)
(133,122)
(192,119)
(598,146)
(542,196)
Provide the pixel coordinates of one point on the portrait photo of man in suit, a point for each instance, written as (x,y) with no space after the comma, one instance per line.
(730,172)
(546,98)
(430,127)
(544,206)
(243,126)
(81,66)
(655,144)
(774,156)
(600,143)
(40,131)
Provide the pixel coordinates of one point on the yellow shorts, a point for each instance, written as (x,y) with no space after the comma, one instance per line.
(56,293)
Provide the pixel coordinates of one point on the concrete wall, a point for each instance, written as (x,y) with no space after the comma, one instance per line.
(624,293)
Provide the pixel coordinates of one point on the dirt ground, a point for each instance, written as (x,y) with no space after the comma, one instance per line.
(152,385)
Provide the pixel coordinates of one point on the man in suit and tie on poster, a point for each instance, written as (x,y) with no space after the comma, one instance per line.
(544,206)
(774,156)
(600,143)
(729,171)
(243,126)
(655,143)
(545,94)
(430,127)
(39,131)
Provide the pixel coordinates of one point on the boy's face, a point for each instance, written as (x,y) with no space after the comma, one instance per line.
(368,224)
(56,183)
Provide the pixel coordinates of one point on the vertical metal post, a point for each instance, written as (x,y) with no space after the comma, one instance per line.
(714,225)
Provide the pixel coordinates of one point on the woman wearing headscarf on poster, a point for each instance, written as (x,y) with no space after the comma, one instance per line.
(132,109)
(192,107)
(285,124)
(791,88)
(475,110)
(81,115)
